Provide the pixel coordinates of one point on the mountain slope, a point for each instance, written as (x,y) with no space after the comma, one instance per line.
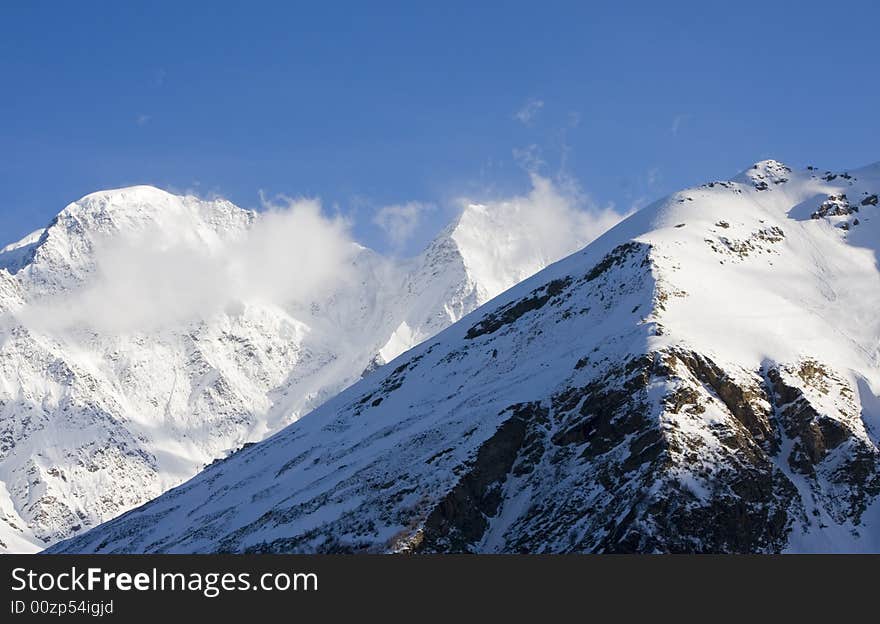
(96,418)
(702,378)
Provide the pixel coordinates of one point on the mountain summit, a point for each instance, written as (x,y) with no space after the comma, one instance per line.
(61,256)
(702,378)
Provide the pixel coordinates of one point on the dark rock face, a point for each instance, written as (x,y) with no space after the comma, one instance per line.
(460,519)
(646,484)
(646,481)
(743,401)
(736,503)
(840,466)
(513,311)
(616,257)
(814,434)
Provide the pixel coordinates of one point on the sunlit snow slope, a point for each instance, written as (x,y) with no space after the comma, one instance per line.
(702,378)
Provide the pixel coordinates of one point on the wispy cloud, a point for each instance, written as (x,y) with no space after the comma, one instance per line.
(529,158)
(677,122)
(400,221)
(552,220)
(529,111)
(158,277)
(142,119)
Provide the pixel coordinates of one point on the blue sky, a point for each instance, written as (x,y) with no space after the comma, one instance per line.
(370,104)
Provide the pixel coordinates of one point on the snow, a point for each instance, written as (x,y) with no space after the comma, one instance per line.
(869,399)
(14,537)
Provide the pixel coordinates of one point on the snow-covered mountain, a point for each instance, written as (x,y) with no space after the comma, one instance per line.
(97,418)
(702,378)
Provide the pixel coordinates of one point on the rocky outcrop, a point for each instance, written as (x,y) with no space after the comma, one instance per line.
(835,206)
(460,519)
(830,449)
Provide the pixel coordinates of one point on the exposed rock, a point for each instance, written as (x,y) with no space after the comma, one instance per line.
(835,206)
(459,521)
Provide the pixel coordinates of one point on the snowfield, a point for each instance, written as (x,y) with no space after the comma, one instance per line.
(705,377)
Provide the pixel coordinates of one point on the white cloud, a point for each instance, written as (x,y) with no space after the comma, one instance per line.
(400,221)
(552,220)
(156,278)
(142,119)
(529,111)
(529,158)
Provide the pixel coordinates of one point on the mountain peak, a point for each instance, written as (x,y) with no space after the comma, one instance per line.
(140,203)
(765,174)
(63,255)
(136,190)
(771,165)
